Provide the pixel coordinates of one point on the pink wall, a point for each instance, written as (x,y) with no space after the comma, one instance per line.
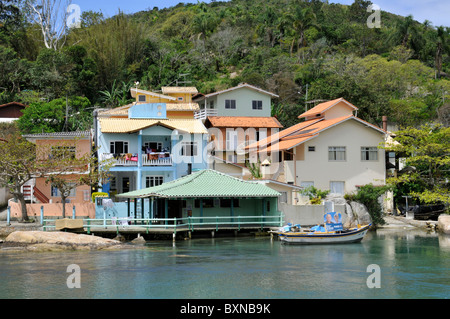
(86,210)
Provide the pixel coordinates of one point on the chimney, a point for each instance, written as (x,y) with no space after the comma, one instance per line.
(384,118)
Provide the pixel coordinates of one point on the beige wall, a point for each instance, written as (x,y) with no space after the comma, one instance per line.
(316,167)
(43,147)
(86,210)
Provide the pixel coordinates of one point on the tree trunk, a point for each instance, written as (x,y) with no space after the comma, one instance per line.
(21,199)
(63,201)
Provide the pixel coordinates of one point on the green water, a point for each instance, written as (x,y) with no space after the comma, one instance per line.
(412,264)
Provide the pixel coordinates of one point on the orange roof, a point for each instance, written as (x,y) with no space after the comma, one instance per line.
(322,107)
(294,136)
(244,121)
(283,133)
(287,143)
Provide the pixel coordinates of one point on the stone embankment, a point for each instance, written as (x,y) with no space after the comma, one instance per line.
(443,224)
(55,241)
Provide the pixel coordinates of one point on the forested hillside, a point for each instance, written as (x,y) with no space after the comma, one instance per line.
(301,50)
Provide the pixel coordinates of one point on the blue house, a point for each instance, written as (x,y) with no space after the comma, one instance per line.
(151,141)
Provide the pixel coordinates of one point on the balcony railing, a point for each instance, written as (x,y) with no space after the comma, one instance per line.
(125,159)
(203,114)
(157,159)
(128,159)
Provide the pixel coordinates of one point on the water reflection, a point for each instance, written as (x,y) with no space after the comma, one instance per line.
(413,264)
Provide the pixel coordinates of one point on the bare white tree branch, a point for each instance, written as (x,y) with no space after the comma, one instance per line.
(51,16)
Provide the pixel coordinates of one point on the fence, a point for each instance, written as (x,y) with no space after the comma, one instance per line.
(174,224)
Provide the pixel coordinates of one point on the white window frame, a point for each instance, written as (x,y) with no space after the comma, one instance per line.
(112,147)
(333,187)
(367,152)
(155,179)
(231,140)
(189,149)
(335,153)
(159,145)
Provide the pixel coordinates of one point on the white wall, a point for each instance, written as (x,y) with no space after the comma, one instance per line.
(353,171)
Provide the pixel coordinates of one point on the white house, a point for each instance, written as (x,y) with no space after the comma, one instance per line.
(331,149)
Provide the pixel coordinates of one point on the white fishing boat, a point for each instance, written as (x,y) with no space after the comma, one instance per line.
(331,232)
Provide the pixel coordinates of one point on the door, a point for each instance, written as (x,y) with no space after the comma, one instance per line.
(125,184)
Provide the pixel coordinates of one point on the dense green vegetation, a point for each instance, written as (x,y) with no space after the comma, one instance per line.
(302,50)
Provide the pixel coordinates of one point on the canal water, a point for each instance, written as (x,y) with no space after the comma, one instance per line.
(408,264)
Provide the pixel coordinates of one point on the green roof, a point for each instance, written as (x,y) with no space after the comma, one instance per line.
(205,184)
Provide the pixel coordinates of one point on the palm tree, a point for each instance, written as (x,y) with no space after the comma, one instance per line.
(442,46)
(407,33)
(303,19)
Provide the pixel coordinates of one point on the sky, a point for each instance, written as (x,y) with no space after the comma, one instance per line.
(436,11)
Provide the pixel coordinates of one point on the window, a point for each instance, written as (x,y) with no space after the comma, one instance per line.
(86,196)
(72,192)
(118,147)
(189,149)
(369,154)
(142,98)
(207,203)
(232,140)
(180,98)
(336,153)
(153,146)
(311,148)
(257,105)
(230,104)
(232,158)
(226,202)
(211,104)
(283,198)
(151,181)
(63,152)
(261,134)
(337,188)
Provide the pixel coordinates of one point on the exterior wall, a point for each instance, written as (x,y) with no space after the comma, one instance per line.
(82,210)
(137,172)
(339,110)
(247,207)
(316,167)
(244,97)
(43,147)
(4,196)
(308,215)
(80,192)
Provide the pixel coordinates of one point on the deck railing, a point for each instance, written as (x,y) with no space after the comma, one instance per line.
(175,224)
(204,113)
(156,159)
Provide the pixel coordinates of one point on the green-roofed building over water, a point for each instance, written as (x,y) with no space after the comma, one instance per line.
(208,197)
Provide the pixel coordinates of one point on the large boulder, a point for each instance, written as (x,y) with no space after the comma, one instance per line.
(41,240)
(357,214)
(444,224)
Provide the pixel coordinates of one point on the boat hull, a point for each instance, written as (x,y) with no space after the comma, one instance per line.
(324,238)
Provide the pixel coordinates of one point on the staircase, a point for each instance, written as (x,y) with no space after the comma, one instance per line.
(30,191)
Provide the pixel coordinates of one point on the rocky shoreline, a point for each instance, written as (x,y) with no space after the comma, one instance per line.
(44,241)
(29,237)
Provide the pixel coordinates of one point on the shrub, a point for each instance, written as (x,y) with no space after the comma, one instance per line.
(369,196)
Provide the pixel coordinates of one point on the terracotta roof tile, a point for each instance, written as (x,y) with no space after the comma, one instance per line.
(244,121)
(322,107)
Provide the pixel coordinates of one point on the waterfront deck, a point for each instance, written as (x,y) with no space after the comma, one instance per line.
(173,226)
